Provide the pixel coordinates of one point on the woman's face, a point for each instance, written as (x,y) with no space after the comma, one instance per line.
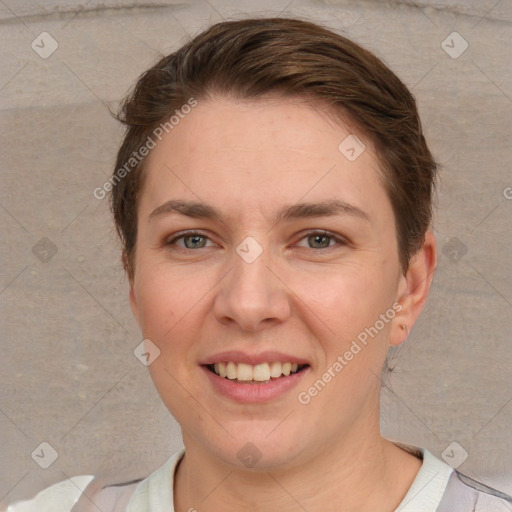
(292,259)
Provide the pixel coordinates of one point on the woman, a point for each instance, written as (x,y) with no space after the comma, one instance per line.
(273,195)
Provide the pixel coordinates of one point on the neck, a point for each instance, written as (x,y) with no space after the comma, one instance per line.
(360,470)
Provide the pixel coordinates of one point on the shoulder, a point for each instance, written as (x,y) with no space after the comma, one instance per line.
(440,488)
(79,494)
(90,494)
(107,497)
(466,494)
(60,497)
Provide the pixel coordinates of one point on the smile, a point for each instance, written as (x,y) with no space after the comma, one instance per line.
(259,373)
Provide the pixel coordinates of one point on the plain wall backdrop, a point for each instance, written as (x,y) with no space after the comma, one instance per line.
(68,373)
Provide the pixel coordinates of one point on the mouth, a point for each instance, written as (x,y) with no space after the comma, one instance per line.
(263,373)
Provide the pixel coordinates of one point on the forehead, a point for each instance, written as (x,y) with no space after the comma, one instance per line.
(261,152)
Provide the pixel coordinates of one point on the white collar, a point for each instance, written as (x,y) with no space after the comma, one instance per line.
(155,493)
(427,490)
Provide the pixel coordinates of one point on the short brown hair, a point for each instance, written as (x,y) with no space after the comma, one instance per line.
(255,57)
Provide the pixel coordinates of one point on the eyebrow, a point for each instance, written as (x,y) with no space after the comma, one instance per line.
(200,210)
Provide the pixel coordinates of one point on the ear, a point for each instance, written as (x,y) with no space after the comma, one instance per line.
(413,289)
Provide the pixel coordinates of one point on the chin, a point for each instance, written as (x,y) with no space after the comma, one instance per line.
(254,449)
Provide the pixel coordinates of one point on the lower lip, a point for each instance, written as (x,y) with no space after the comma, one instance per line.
(254,393)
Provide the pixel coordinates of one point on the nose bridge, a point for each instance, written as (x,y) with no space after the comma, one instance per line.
(251,295)
(251,270)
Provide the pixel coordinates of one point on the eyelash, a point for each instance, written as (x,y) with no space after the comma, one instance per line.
(328,234)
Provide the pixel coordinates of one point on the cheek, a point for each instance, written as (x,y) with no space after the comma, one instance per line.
(158,302)
(169,299)
(346,298)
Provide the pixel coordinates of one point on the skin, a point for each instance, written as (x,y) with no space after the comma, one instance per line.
(250,159)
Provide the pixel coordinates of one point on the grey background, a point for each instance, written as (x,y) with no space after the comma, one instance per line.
(67,369)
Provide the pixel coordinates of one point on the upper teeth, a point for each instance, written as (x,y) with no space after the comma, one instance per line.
(258,372)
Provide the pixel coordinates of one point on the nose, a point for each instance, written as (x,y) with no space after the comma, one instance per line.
(252,295)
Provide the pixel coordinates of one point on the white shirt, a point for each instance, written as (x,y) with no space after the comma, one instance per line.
(436,488)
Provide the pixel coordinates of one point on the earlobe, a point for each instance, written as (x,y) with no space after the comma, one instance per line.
(414,288)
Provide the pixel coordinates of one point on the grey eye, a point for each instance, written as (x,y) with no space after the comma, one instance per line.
(196,241)
(319,241)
